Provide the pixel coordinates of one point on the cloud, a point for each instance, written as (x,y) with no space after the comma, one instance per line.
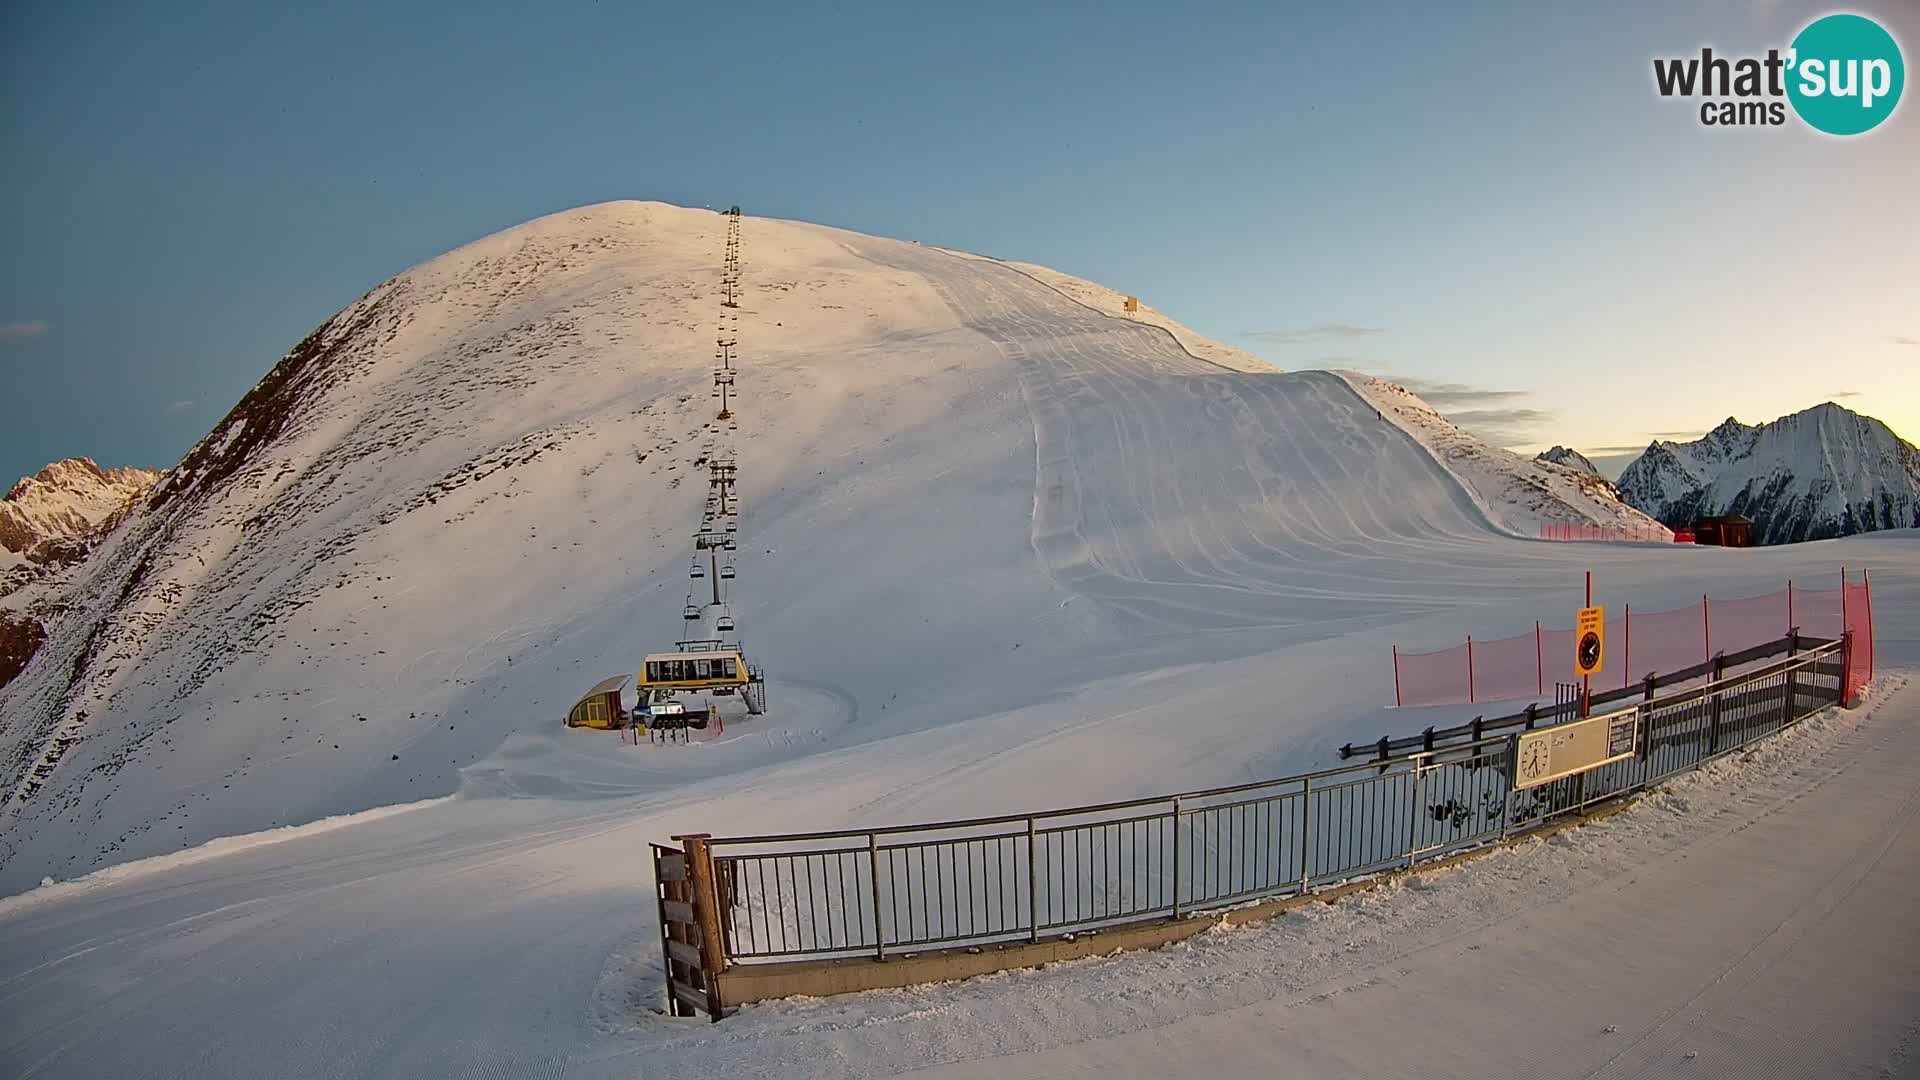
(1898,340)
(31,328)
(1307,334)
(1678,436)
(178,407)
(1839,394)
(1441,394)
(1502,427)
(1615,449)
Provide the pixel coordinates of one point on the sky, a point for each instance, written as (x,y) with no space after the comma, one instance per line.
(1488,202)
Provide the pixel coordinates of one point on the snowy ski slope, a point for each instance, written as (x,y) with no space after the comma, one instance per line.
(463,501)
(1000,550)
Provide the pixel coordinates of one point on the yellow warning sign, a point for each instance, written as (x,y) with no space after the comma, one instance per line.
(1590,641)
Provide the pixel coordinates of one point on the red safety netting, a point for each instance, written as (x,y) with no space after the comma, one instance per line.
(1817,612)
(1638,644)
(1858,600)
(1748,621)
(1435,678)
(1507,668)
(1665,641)
(1649,533)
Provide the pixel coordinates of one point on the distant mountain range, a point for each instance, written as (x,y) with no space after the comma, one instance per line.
(1820,473)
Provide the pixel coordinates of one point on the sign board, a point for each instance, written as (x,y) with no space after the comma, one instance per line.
(1590,641)
(1554,753)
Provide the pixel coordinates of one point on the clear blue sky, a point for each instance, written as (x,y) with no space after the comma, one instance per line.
(1488,195)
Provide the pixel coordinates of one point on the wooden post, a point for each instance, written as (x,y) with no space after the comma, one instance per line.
(706,910)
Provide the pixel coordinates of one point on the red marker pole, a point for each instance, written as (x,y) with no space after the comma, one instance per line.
(1470,669)
(1866,583)
(1586,681)
(1706,625)
(1396,676)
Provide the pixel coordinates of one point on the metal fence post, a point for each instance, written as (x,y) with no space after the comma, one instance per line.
(1713,708)
(1176,856)
(1413,819)
(1306,833)
(1786,709)
(1033,883)
(1513,777)
(873,880)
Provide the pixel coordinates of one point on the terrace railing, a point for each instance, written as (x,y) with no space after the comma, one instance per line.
(894,890)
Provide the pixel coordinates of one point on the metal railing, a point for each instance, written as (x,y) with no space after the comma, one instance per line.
(1023,877)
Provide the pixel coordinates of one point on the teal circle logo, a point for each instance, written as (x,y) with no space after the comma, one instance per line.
(1845,74)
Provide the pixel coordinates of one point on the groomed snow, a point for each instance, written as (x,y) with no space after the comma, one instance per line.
(1006,552)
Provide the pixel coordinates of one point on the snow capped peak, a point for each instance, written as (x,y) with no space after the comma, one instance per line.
(1822,472)
(1571,458)
(67,500)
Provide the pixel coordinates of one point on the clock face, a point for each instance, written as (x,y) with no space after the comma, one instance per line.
(1589,651)
(1533,759)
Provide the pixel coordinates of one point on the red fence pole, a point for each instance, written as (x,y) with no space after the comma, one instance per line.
(1866,582)
(1626,669)
(1396,676)
(1470,669)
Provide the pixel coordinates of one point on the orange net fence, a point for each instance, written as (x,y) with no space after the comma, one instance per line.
(1639,643)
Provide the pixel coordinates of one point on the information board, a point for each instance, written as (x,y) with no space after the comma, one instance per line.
(1565,749)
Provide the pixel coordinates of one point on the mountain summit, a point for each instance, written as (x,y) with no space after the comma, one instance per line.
(1819,473)
(1571,458)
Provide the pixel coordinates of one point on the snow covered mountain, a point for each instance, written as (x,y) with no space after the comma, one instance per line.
(66,501)
(1819,473)
(1517,494)
(1571,458)
(468,496)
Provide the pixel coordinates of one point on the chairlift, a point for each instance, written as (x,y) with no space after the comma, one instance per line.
(692,612)
(725,624)
(726,572)
(698,571)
